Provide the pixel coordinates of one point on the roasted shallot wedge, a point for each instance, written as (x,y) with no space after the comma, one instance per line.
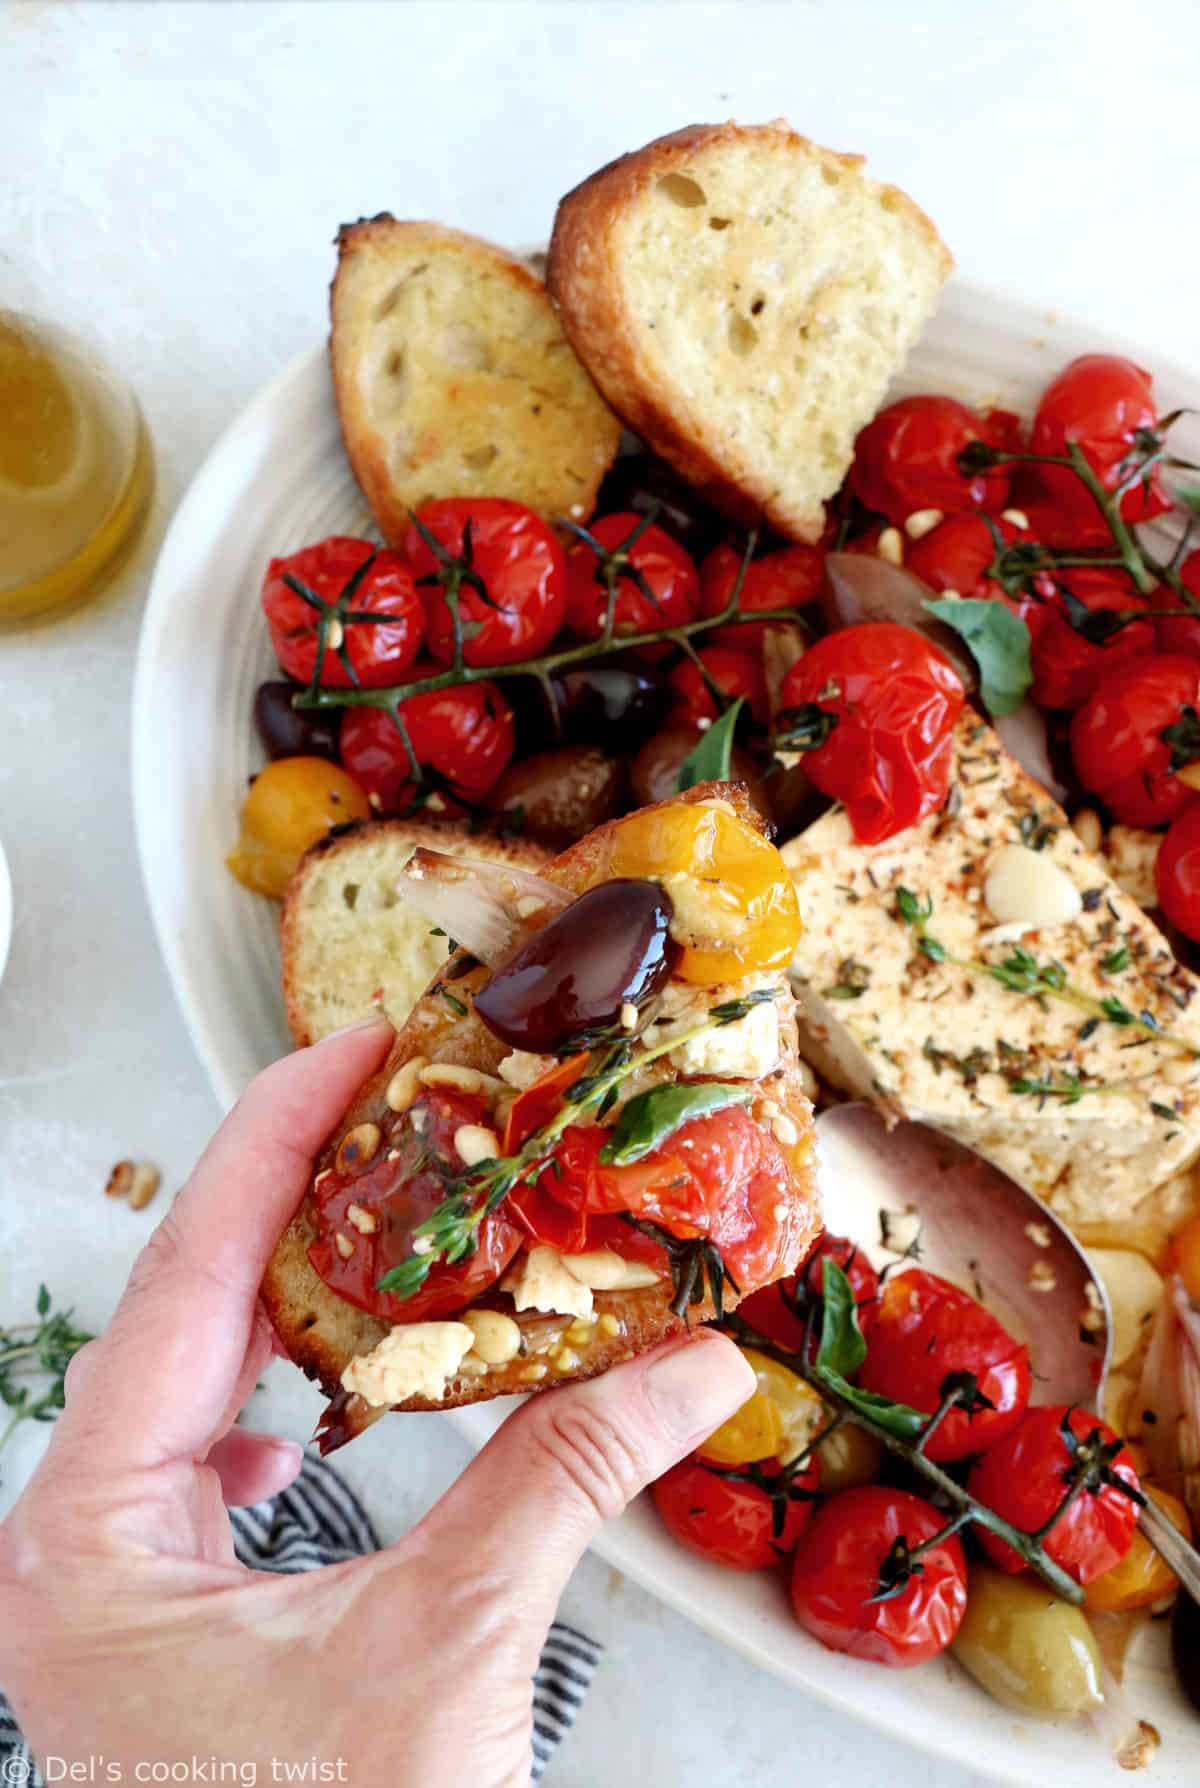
(483,906)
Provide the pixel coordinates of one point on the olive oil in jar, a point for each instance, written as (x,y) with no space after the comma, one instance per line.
(76,470)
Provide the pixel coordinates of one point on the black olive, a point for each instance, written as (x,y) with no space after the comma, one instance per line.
(1185,1645)
(639,480)
(292,732)
(608,949)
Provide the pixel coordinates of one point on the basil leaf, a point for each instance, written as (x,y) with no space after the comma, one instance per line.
(650,1116)
(842,1349)
(999,643)
(711,755)
(895,1418)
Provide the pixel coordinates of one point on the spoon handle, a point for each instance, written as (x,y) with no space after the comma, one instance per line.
(1171,1546)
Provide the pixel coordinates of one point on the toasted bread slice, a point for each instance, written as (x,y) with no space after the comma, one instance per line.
(350,946)
(743,298)
(453,377)
(322,1332)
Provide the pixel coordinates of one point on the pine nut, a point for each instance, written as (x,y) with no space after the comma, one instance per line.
(606,1270)
(609,1325)
(890,546)
(146,1181)
(405,1084)
(1017,517)
(532,1374)
(1087,828)
(784,1131)
(922,522)
(335,633)
(475,1143)
(358,1146)
(344,1245)
(463,1080)
(365,1222)
(497,1337)
(119,1180)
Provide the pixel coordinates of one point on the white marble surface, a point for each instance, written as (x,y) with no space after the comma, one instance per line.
(170,178)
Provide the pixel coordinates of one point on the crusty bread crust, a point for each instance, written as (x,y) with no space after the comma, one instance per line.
(587,278)
(453,378)
(322,1332)
(384,946)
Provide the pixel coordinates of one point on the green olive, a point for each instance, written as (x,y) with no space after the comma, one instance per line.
(1026,1647)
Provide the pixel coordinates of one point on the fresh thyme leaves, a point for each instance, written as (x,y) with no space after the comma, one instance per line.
(450,1233)
(1163,1111)
(453,1001)
(854,978)
(32,1352)
(1118,960)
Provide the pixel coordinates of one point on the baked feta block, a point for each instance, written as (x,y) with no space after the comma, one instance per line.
(1053,1030)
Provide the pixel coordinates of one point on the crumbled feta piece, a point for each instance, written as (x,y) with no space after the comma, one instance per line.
(1131,856)
(544,1282)
(747,1049)
(521,1068)
(416,1359)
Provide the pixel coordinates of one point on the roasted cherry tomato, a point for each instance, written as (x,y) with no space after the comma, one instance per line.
(1182,634)
(744,1523)
(736,911)
(1184,1257)
(654,580)
(463,737)
(1106,404)
(1066,530)
(957,556)
(1138,727)
(789,578)
(733,672)
(1142,1577)
(504,565)
(364,600)
(852,1551)
(879,703)
(907,459)
(1067,663)
(723,1177)
(1177,872)
(929,1338)
(784,1416)
(399,1186)
(291,804)
(1028,1474)
(773,1310)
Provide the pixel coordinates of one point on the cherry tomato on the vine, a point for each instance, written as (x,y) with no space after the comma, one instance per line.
(734,673)
(771,1310)
(907,458)
(958,554)
(792,577)
(1181,634)
(1067,664)
(462,736)
(1106,404)
(1177,872)
(881,701)
(507,568)
(1027,1475)
(852,1551)
(365,598)
(654,579)
(1137,728)
(927,1339)
(744,1523)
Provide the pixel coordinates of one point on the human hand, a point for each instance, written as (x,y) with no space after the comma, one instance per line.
(130,1629)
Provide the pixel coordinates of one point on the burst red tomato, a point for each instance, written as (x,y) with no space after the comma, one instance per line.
(723,1177)
(463,737)
(957,555)
(882,702)
(1106,404)
(399,1190)
(654,579)
(1132,734)
(743,1525)
(505,565)
(928,1338)
(907,458)
(734,673)
(1027,1476)
(1177,872)
(1066,530)
(373,617)
(1067,665)
(789,578)
(1182,633)
(772,1310)
(851,1551)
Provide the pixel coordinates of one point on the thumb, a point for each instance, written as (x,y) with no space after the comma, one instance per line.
(527,1508)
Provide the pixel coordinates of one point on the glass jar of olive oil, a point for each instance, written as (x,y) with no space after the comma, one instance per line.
(76,470)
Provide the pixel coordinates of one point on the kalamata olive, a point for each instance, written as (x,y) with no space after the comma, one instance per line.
(655,771)
(561,794)
(1185,1645)
(612,705)
(862,587)
(607,950)
(639,480)
(294,732)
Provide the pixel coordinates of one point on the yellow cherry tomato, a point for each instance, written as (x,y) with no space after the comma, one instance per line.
(291,804)
(1185,1256)
(1141,1577)
(777,1422)
(849,1457)
(736,911)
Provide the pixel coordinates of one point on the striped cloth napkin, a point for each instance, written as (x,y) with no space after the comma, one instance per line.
(318,1521)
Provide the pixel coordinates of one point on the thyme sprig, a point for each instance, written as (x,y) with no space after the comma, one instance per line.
(450,1233)
(1022,972)
(32,1351)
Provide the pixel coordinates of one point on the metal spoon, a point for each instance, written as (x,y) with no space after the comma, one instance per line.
(983,1231)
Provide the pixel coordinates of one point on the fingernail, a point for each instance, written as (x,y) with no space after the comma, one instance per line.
(697,1385)
(376,1020)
